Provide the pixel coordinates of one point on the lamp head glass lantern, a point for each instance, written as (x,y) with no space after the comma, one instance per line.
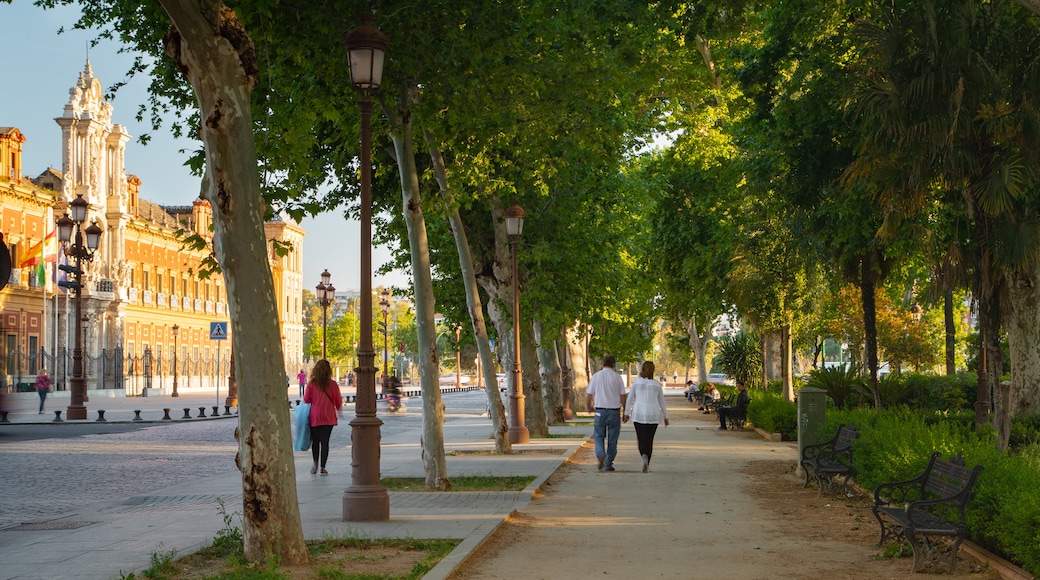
(78,207)
(330,292)
(319,290)
(366,49)
(176,330)
(93,232)
(65,225)
(325,277)
(514,220)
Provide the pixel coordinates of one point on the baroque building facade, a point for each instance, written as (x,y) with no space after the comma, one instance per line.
(147,306)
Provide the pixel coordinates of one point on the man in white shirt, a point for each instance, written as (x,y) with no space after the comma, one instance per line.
(605,397)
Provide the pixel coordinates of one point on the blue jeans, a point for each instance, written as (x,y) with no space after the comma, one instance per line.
(607,425)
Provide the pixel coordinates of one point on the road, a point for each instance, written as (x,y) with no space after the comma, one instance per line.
(48,471)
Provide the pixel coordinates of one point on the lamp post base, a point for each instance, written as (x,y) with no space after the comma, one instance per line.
(519,434)
(76,412)
(365,500)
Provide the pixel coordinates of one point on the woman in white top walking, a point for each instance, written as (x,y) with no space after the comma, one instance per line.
(646,409)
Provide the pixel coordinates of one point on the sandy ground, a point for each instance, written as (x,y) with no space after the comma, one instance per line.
(715,504)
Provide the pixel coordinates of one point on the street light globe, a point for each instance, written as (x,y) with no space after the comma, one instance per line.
(514,220)
(366,47)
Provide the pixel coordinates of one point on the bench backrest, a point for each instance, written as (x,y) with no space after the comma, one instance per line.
(949,479)
(846,435)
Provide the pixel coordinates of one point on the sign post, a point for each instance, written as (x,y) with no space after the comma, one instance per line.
(218,331)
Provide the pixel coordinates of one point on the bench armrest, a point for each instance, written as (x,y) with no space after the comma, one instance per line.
(897,492)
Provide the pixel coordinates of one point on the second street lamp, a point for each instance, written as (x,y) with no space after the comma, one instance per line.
(366,500)
(458,358)
(384,307)
(176,331)
(81,253)
(326,294)
(518,432)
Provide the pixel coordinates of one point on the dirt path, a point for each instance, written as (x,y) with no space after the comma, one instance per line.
(715,504)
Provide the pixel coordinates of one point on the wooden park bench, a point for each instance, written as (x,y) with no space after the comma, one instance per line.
(829,460)
(931,504)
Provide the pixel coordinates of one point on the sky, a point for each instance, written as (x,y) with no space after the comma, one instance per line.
(39,68)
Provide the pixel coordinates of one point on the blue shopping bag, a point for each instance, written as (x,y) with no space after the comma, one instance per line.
(302,427)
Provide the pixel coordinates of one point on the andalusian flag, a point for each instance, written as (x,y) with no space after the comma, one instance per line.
(42,251)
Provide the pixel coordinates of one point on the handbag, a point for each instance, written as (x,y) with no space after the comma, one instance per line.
(302,427)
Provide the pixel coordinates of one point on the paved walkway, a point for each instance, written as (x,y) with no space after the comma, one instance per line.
(116,536)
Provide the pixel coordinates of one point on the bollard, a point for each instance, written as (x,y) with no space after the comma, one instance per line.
(101,416)
(187,413)
(3,417)
(215,412)
(202,412)
(227,410)
(137,415)
(297,402)
(57,417)
(166,415)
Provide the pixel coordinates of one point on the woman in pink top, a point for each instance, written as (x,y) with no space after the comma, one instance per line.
(323,394)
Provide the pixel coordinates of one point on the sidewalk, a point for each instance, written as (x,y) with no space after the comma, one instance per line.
(116,537)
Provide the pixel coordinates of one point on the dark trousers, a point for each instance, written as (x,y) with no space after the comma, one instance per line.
(645,437)
(43,397)
(320,435)
(728,412)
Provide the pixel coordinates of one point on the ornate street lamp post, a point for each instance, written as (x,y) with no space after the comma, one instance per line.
(518,432)
(81,253)
(366,499)
(176,331)
(326,294)
(384,307)
(458,358)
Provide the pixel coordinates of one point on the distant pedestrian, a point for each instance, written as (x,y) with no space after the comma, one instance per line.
(646,409)
(325,399)
(605,396)
(675,376)
(43,386)
(302,378)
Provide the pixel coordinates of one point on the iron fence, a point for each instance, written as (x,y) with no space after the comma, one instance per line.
(113,369)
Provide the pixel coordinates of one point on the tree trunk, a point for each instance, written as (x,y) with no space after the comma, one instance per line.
(534,401)
(215,53)
(577,349)
(422,286)
(550,374)
(1023,328)
(496,410)
(786,345)
(699,344)
(951,332)
(866,287)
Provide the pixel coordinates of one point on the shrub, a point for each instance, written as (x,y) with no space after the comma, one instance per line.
(771,413)
(739,357)
(1004,513)
(840,383)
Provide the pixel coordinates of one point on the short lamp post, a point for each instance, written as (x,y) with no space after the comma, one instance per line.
(366,500)
(76,249)
(384,307)
(176,330)
(326,294)
(518,432)
(458,358)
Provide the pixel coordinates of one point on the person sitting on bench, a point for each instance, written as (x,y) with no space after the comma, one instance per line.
(739,408)
(710,394)
(691,391)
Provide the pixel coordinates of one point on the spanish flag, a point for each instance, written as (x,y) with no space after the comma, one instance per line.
(42,251)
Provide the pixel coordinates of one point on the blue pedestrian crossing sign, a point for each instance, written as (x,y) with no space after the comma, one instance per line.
(218,331)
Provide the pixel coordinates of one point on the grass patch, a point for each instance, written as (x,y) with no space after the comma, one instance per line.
(561,436)
(546,451)
(462,483)
(330,559)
